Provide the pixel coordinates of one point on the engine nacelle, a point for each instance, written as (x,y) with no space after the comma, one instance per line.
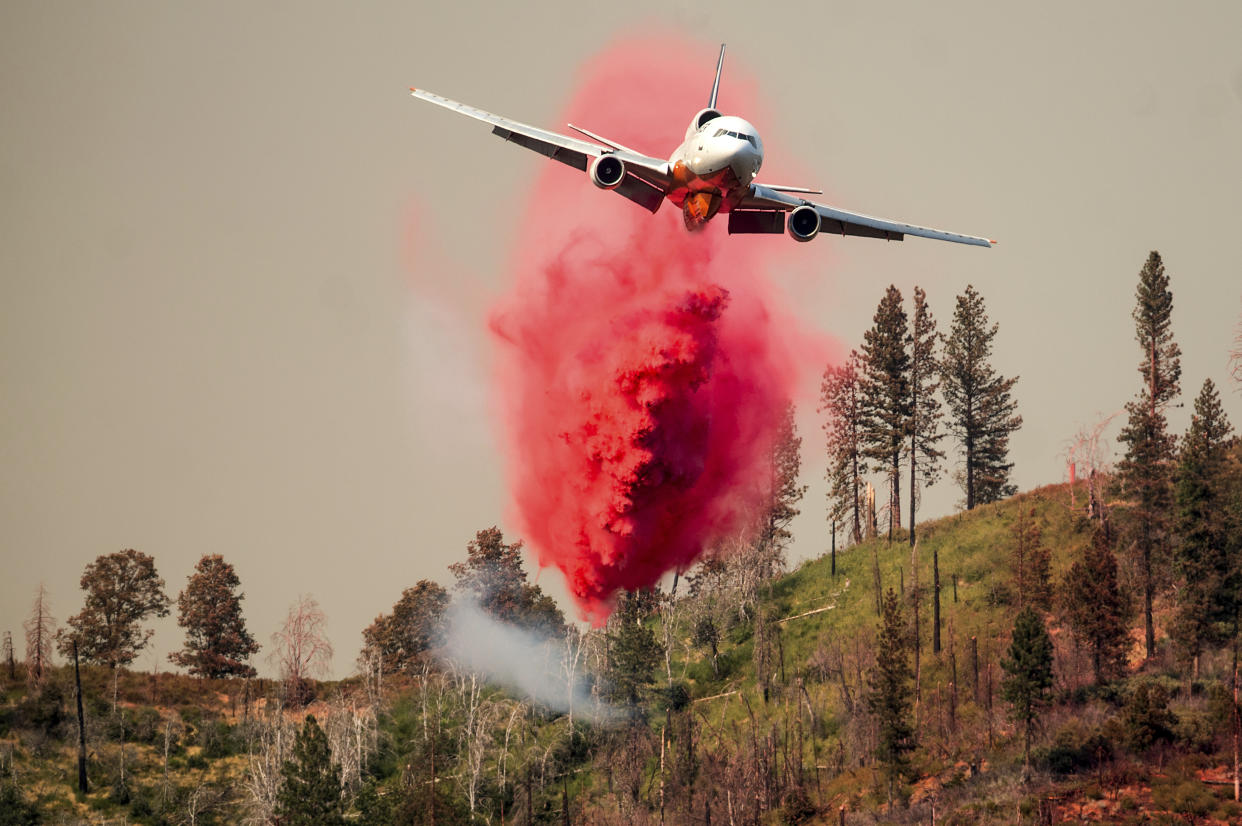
(803,223)
(607,171)
(703,116)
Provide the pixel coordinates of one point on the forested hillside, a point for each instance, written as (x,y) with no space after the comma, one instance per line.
(1065,654)
(739,699)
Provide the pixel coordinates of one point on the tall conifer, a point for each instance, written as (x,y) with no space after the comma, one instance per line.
(311,792)
(784,493)
(1207,530)
(891,692)
(1094,608)
(841,401)
(1028,675)
(925,412)
(982,413)
(1146,471)
(886,394)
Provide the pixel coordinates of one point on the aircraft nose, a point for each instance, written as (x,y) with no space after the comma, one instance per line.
(746,162)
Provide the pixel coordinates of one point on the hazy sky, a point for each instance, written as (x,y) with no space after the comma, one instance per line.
(244,277)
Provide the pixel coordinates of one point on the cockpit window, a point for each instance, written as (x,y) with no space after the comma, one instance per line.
(738,135)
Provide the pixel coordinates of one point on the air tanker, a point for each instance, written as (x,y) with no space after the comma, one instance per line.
(713,171)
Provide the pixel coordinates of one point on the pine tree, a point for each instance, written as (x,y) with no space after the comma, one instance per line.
(217,643)
(416,625)
(841,401)
(891,693)
(886,395)
(1146,472)
(1207,529)
(1031,563)
(122,590)
(982,413)
(633,652)
(925,431)
(1094,608)
(311,792)
(1028,675)
(784,493)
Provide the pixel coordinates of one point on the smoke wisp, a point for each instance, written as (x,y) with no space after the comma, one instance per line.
(534,665)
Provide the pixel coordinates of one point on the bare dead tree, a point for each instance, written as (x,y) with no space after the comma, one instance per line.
(575,642)
(300,649)
(40,629)
(353,736)
(270,747)
(1087,457)
(478,734)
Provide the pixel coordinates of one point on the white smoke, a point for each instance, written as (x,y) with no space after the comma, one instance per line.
(546,670)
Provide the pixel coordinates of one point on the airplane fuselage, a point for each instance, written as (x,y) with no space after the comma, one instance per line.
(712,171)
(714,166)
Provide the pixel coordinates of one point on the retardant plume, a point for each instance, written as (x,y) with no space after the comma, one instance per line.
(642,370)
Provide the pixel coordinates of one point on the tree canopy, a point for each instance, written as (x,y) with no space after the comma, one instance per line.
(1027,682)
(311,792)
(891,692)
(1208,532)
(886,398)
(982,411)
(416,625)
(842,405)
(217,643)
(1145,473)
(493,575)
(122,589)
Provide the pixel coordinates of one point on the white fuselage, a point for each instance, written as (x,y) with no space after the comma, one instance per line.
(714,166)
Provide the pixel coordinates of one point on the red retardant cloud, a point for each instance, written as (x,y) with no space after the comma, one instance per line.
(641,369)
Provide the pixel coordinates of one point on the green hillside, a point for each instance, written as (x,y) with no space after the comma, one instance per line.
(781,734)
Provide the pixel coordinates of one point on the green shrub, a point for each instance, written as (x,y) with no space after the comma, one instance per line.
(1188,797)
(1074,748)
(674,697)
(218,740)
(14,810)
(45,710)
(1146,717)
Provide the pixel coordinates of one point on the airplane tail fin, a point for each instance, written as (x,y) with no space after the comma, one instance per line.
(711,104)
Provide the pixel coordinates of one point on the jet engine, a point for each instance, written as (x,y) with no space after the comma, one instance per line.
(803,223)
(607,171)
(703,116)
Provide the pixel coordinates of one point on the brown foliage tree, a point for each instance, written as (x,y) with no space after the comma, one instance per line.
(40,629)
(401,639)
(494,576)
(217,643)
(300,649)
(122,589)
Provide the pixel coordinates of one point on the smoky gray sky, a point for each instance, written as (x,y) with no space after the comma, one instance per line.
(244,277)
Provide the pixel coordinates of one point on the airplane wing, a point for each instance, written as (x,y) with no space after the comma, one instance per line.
(836,221)
(646,181)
